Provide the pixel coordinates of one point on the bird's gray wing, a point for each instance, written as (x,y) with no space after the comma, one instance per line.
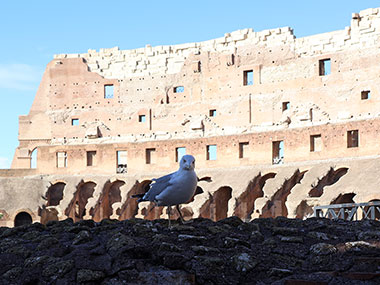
(157,186)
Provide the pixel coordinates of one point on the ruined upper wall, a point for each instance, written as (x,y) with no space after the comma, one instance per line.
(363,32)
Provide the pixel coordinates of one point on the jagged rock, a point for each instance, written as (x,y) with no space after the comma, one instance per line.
(256,236)
(285,231)
(292,239)
(82,237)
(264,251)
(323,249)
(191,238)
(166,277)
(13,273)
(85,275)
(204,249)
(243,262)
(59,268)
(280,272)
(232,242)
(118,242)
(369,235)
(318,235)
(48,243)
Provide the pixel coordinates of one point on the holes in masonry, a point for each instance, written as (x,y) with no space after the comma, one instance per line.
(247,77)
(324,67)
(365,95)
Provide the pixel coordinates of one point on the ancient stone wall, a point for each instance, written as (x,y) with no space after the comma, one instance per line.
(267,106)
(247,192)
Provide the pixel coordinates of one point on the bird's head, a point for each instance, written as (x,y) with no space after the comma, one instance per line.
(187,162)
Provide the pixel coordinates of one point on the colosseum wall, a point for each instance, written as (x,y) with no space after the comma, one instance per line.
(279,123)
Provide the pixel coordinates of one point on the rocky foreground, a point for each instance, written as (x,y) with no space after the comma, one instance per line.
(264,251)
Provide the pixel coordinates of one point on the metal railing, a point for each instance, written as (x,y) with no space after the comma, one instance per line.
(349,212)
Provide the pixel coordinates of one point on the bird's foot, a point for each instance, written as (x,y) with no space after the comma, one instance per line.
(186,222)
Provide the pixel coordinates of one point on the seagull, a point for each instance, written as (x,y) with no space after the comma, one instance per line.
(173,189)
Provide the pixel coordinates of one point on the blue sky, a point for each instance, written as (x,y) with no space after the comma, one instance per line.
(33,31)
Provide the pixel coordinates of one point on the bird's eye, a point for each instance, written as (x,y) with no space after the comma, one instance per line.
(184,160)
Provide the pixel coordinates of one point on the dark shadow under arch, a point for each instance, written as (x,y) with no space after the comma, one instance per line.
(111,194)
(23,218)
(77,207)
(216,208)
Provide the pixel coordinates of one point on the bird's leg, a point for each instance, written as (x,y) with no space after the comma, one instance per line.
(180,215)
(169,208)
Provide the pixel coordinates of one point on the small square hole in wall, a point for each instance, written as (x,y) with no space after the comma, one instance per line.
(278,152)
(248,77)
(75,122)
(212,113)
(353,138)
(179,89)
(91,155)
(179,152)
(365,95)
(243,149)
(315,143)
(149,155)
(285,106)
(142,118)
(211,152)
(324,67)
(108,91)
(61,159)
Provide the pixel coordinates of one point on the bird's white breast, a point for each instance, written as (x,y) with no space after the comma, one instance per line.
(182,188)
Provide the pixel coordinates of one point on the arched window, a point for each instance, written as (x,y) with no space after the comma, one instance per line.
(23,218)
(33,158)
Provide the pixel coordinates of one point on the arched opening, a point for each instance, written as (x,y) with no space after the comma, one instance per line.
(245,203)
(216,207)
(331,177)
(276,206)
(303,210)
(77,207)
(344,199)
(23,218)
(33,159)
(130,206)
(110,195)
(54,194)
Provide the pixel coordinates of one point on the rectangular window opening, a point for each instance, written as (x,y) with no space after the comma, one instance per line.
(365,95)
(243,149)
(108,91)
(61,159)
(179,152)
(179,89)
(324,67)
(212,113)
(91,155)
(353,138)
(75,122)
(248,77)
(278,152)
(315,143)
(149,155)
(211,152)
(285,106)
(121,161)
(142,118)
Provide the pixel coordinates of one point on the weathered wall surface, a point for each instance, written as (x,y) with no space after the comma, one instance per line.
(247,192)
(261,98)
